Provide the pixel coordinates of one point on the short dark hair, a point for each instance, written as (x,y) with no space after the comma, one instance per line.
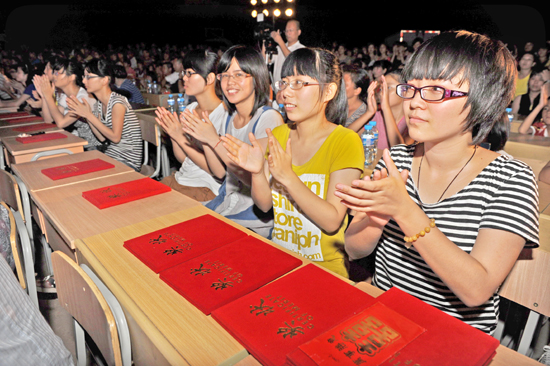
(119,72)
(251,62)
(484,63)
(323,66)
(203,62)
(360,78)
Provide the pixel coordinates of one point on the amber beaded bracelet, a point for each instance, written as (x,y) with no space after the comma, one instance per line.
(411,239)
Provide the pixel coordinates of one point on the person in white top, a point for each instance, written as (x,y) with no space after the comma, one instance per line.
(292,33)
(194,178)
(67,77)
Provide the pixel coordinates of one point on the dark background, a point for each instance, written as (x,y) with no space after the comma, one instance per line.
(353,23)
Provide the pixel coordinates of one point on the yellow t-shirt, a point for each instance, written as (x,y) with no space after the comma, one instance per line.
(292,229)
(522,85)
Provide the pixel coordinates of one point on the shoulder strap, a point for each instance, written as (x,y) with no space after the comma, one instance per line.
(264,108)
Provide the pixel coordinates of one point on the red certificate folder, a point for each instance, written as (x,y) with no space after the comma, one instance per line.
(13,114)
(277,318)
(40,138)
(165,248)
(71,170)
(227,273)
(447,341)
(124,192)
(37,127)
(24,119)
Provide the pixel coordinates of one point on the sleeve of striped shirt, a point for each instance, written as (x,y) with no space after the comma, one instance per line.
(514,206)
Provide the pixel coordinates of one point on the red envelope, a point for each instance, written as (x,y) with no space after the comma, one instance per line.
(227,273)
(13,114)
(24,119)
(277,318)
(124,192)
(71,170)
(37,127)
(437,346)
(40,138)
(165,248)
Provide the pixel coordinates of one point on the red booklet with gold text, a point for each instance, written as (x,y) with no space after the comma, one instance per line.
(277,318)
(71,170)
(165,248)
(229,272)
(124,192)
(394,338)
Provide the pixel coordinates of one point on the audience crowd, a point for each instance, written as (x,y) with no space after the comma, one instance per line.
(92,92)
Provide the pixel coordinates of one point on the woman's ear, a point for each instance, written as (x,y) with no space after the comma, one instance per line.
(330,92)
(211,78)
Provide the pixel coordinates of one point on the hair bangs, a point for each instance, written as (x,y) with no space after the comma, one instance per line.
(303,62)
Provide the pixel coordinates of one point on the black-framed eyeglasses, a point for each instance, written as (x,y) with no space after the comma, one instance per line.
(187,73)
(294,84)
(237,76)
(430,93)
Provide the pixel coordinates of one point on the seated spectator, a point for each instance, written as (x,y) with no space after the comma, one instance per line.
(122,82)
(538,127)
(525,66)
(524,104)
(67,78)
(112,119)
(357,83)
(24,75)
(390,119)
(25,336)
(171,78)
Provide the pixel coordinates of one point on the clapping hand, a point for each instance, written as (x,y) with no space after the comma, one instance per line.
(79,108)
(200,128)
(169,122)
(279,160)
(249,157)
(380,197)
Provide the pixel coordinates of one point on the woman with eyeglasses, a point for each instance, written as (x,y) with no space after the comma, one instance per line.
(244,80)
(194,178)
(67,78)
(447,217)
(306,158)
(112,118)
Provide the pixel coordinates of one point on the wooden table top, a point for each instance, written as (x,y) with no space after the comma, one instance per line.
(10,131)
(75,218)
(181,332)
(16,148)
(30,172)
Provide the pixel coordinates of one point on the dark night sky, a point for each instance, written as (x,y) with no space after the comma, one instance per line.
(100,22)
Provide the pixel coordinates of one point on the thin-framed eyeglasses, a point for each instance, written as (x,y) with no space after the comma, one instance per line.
(187,73)
(237,76)
(430,93)
(88,77)
(294,84)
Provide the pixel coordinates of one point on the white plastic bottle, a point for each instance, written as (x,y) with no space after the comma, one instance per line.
(181,103)
(370,142)
(171,103)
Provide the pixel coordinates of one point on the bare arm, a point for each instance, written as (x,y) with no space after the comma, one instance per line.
(358,124)
(473,277)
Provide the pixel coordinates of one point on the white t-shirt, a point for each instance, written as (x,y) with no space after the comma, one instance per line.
(190,174)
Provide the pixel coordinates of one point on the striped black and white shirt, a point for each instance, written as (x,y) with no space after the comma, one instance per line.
(504,196)
(129,150)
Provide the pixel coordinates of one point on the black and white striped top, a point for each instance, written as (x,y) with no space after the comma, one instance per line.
(504,196)
(129,150)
